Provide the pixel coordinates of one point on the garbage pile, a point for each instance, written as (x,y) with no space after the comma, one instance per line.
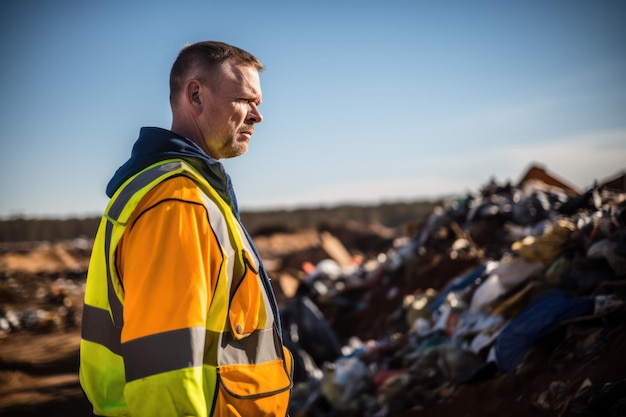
(51,306)
(42,286)
(488,282)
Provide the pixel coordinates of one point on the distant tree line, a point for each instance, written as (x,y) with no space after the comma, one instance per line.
(31,230)
(391,215)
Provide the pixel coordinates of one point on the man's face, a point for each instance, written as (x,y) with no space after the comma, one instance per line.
(232,96)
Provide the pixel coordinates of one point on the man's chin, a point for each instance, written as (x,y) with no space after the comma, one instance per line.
(236,151)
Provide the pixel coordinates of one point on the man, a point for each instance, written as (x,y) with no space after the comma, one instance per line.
(179,316)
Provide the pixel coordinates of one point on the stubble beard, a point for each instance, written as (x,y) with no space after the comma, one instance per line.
(233,148)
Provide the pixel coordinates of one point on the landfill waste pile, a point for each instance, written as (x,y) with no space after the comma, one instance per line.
(44,295)
(515,285)
(508,301)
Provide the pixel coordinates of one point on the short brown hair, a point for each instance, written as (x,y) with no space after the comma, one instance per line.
(206,55)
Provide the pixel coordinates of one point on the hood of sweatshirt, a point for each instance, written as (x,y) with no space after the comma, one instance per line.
(155,144)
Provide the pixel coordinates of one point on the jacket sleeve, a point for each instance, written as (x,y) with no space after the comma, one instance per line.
(168,261)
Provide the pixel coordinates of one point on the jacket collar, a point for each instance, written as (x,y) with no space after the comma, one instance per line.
(155,144)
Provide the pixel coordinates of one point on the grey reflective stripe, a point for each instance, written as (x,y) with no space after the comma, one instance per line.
(98,328)
(140,181)
(258,347)
(163,352)
(114,213)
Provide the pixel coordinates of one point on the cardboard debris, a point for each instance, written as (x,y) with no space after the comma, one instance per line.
(539,173)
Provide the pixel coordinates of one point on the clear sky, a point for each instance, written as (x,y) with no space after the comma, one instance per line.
(364,101)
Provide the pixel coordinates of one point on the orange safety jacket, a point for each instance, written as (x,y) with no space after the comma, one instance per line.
(177,320)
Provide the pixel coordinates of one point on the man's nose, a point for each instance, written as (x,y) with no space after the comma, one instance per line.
(254,115)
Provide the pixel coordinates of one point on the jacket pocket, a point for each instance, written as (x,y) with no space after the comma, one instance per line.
(246,311)
(254,390)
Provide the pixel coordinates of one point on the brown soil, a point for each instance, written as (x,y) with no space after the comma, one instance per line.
(38,365)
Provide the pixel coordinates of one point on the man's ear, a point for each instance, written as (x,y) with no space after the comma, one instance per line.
(192,94)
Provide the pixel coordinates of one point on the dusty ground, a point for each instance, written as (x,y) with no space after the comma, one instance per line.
(42,285)
(38,364)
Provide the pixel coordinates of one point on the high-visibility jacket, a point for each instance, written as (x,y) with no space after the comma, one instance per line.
(177,320)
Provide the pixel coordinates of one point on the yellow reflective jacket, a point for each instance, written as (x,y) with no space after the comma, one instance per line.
(177,320)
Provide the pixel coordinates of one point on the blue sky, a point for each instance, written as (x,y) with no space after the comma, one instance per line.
(364,101)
